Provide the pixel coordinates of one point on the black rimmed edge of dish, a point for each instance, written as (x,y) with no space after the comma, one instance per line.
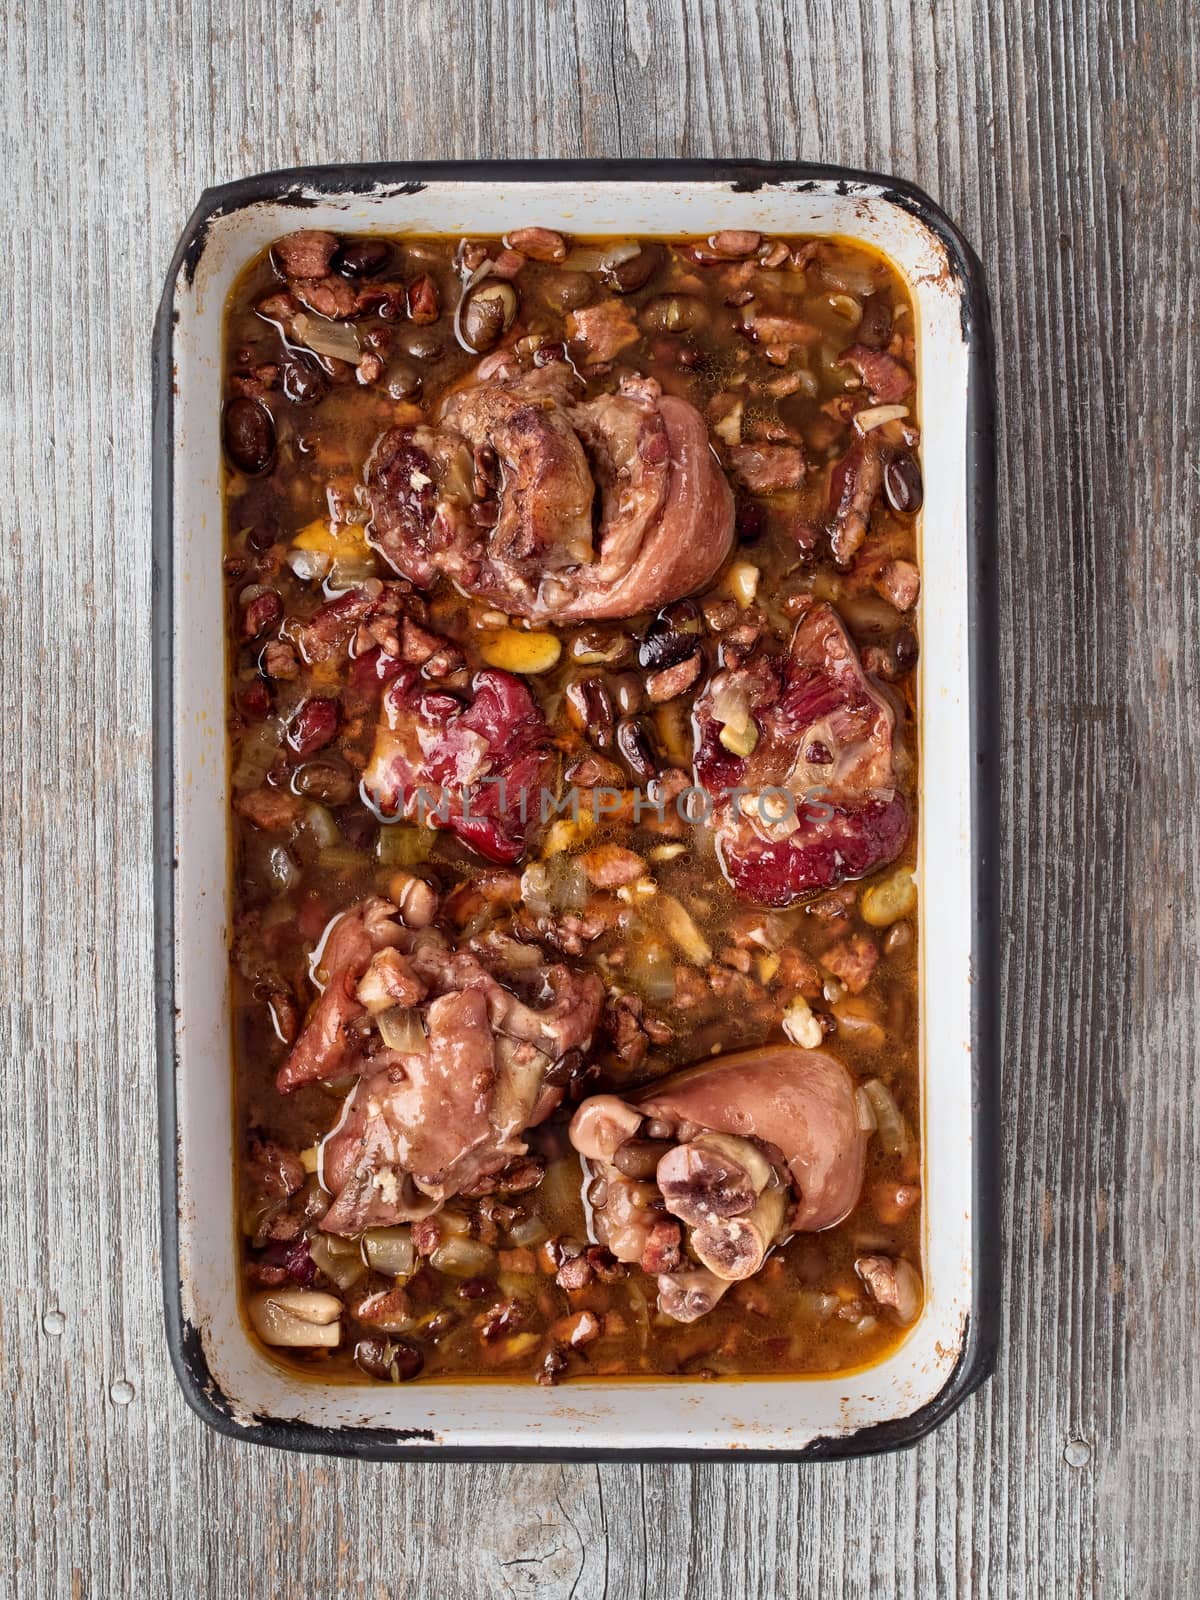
(980,1337)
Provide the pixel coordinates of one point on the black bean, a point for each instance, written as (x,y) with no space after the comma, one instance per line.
(590,709)
(639,1158)
(261,538)
(422,345)
(670,638)
(673,313)
(488,311)
(627,691)
(905,650)
(628,276)
(634,748)
(476,1289)
(362,258)
(902,485)
(374,1356)
(249,435)
(875,329)
(402,380)
(566,1069)
(407,1360)
(356,825)
(567,291)
(327,779)
(303,381)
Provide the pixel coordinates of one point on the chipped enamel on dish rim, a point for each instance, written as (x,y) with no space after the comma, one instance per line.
(759,1414)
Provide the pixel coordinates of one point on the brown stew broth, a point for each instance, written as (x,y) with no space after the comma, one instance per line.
(295,530)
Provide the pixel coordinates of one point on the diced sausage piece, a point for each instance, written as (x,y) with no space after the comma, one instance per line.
(853,960)
(540,244)
(273,1170)
(900,584)
(609,866)
(328,297)
(273,810)
(507,264)
(279,660)
(784,331)
(261,613)
(424,305)
(765,468)
(854,486)
(888,380)
(575,1273)
(580,1329)
(418,644)
(313,726)
(734,243)
(306,254)
(603,329)
(673,681)
(426,1235)
(663,1252)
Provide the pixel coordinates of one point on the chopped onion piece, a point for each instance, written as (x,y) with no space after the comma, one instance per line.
(617,253)
(390,1250)
(256,756)
(401,1029)
(343,1267)
(585,258)
(336,339)
(463,1258)
(650,969)
(867,1120)
(893,1131)
(876,416)
(680,926)
(348,574)
(908,1292)
(319,824)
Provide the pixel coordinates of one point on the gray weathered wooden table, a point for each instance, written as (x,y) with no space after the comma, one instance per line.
(1067,148)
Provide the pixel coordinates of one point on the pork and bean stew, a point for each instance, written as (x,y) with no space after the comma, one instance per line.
(572,595)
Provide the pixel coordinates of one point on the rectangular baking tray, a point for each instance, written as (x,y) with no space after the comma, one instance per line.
(225,1376)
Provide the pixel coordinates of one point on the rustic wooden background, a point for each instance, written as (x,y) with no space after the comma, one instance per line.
(1065,144)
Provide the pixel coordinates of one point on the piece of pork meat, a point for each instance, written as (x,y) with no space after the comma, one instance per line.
(819,798)
(424,1126)
(764,1142)
(499,497)
(475,767)
(329,1046)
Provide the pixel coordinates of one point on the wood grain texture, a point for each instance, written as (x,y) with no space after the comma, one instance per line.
(1064,141)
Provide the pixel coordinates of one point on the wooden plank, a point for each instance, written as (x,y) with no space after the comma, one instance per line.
(1066,146)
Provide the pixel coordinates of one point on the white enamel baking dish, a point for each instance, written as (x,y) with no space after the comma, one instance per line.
(225,1376)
